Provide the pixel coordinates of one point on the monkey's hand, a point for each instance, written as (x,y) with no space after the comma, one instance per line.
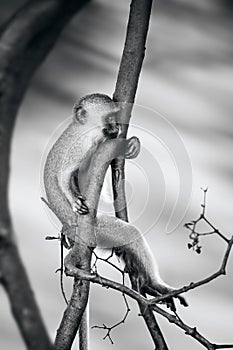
(133,148)
(79,206)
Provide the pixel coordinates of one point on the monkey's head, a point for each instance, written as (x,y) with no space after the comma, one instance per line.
(98,110)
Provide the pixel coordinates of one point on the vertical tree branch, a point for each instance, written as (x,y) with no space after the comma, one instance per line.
(125,91)
(150,320)
(126,87)
(84,340)
(25,40)
(73,314)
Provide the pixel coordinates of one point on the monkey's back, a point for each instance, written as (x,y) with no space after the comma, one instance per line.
(69,151)
(52,170)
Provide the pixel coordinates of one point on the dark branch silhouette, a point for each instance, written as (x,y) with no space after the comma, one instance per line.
(127,311)
(25,40)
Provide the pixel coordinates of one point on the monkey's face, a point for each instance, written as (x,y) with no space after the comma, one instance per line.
(110,125)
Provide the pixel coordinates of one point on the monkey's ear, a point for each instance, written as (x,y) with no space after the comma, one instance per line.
(79,114)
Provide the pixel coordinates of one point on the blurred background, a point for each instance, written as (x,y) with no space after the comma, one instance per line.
(187,80)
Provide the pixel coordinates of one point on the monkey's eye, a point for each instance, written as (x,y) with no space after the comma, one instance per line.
(110,119)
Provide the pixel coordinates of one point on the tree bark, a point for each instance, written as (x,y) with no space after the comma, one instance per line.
(23,305)
(25,40)
(125,91)
(73,314)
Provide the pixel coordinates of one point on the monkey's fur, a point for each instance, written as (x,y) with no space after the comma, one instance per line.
(94,120)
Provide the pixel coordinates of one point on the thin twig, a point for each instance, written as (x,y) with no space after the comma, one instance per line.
(192,285)
(110,328)
(94,268)
(195,235)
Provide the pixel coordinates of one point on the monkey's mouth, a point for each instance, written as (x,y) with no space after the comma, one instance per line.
(111,131)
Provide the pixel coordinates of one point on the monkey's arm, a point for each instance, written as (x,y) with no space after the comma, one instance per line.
(79,176)
(73,179)
(65,184)
(76,162)
(72,191)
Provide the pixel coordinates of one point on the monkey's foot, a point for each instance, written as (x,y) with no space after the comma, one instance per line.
(72,271)
(133,148)
(71,262)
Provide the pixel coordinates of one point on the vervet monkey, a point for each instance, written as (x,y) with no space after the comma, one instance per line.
(95,119)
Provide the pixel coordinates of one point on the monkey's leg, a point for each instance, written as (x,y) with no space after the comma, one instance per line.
(139,260)
(112,232)
(130,245)
(165,289)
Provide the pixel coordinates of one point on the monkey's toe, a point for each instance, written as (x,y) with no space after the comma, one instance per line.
(81,209)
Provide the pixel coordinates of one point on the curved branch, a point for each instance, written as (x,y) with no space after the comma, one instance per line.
(25,40)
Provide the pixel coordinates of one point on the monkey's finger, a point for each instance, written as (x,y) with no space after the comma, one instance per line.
(133,153)
(129,150)
(77,206)
(136,153)
(134,141)
(75,210)
(80,208)
(84,208)
(135,150)
(82,211)
(81,198)
(82,205)
(79,202)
